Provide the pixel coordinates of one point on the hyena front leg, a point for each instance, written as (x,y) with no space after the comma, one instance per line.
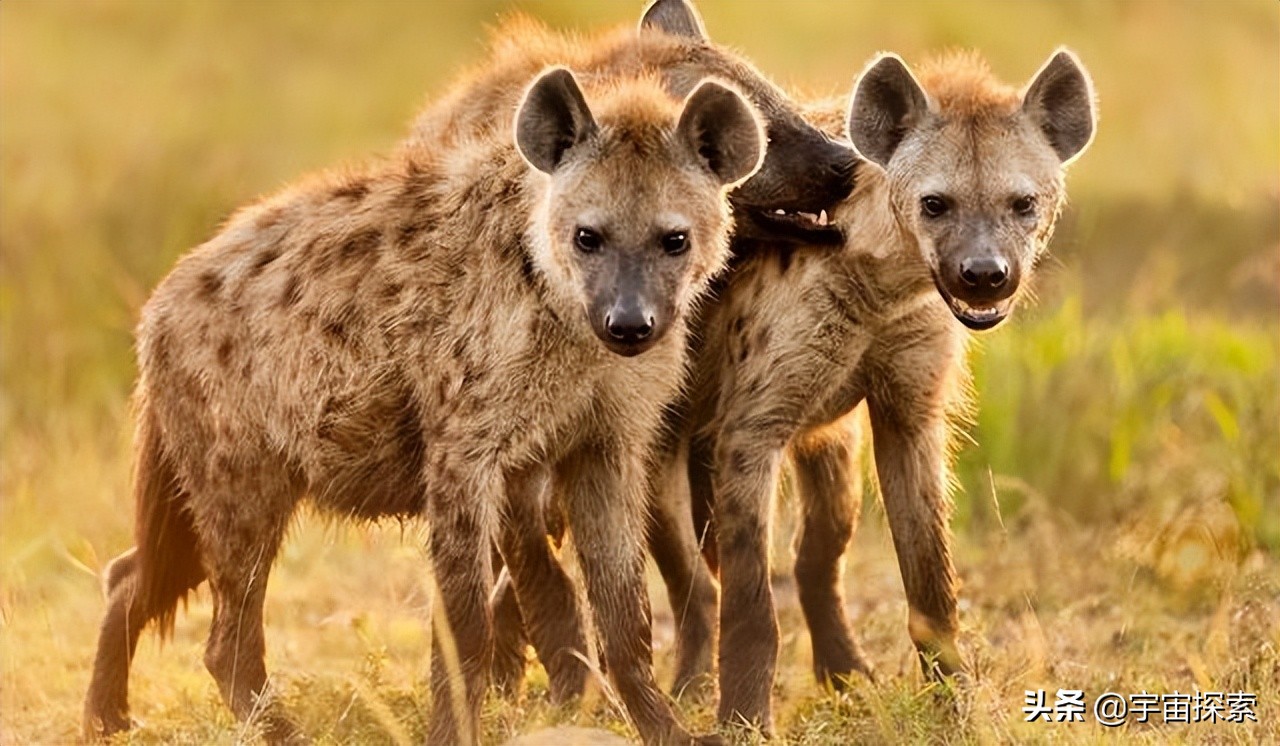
(747,462)
(462,528)
(691,590)
(604,495)
(548,603)
(909,434)
(829,484)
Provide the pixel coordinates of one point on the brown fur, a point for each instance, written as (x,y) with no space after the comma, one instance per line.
(795,343)
(804,169)
(963,86)
(409,338)
(797,340)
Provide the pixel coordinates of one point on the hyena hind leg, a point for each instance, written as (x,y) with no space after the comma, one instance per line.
(829,485)
(107,705)
(238,561)
(509,638)
(548,603)
(691,590)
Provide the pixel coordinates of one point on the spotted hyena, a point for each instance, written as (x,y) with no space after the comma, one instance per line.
(953,209)
(434,334)
(804,174)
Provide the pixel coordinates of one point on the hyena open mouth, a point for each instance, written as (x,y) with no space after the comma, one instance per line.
(976,316)
(798,225)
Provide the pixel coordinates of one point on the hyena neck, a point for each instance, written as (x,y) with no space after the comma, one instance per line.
(879,253)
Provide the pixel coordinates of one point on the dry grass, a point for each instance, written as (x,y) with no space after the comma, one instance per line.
(1119,527)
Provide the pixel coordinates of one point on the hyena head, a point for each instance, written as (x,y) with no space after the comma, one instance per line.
(975,169)
(634,218)
(805,172)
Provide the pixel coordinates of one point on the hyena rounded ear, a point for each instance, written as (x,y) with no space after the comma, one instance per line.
(724,131)
(677,17)
(552,118)
(887,103)
(1059,100)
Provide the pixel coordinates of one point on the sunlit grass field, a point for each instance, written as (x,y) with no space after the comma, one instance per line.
(1118,526)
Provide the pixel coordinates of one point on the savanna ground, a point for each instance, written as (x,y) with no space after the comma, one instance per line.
(1118,527)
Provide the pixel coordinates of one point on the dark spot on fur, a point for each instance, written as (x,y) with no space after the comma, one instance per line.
(738,323)
(225,348)
(356,190)
(210,284)
(743,352)
(337,329)
(361,243)
(407,232)
(460,349)
(473,375)
(762,336)
(292,292)
(419,186)
(264,258)
(391,290)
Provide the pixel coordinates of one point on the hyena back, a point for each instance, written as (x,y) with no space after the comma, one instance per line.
(956,206)
(431,335)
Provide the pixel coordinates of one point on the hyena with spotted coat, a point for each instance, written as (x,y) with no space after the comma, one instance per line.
(432,336)
(953,210)
(805,172)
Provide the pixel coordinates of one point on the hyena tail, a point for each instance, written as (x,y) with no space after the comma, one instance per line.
(167,560)
(145,583)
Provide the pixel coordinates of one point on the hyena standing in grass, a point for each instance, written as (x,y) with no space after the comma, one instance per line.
(947,223)
(425,337)
(805,172)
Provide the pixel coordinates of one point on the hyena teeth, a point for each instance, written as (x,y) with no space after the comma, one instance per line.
(822,218)
(779,211)
(808,216)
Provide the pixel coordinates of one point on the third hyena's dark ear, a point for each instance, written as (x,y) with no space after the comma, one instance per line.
(552,118)
(724,131)
(887,103)
(1059,100)
(676,17)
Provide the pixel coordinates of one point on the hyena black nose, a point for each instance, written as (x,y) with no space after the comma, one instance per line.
(984,272)
(629,326)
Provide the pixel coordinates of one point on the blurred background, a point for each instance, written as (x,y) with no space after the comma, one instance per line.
(1127,441)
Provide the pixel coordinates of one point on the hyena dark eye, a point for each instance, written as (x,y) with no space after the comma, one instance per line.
(1025,205)
(588,241)
(933,206)
(675,243)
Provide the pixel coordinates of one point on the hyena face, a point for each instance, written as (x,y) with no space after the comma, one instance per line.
(805,172)
(635,219)
(975,169)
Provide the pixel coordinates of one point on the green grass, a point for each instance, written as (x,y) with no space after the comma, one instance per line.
(1119,527)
